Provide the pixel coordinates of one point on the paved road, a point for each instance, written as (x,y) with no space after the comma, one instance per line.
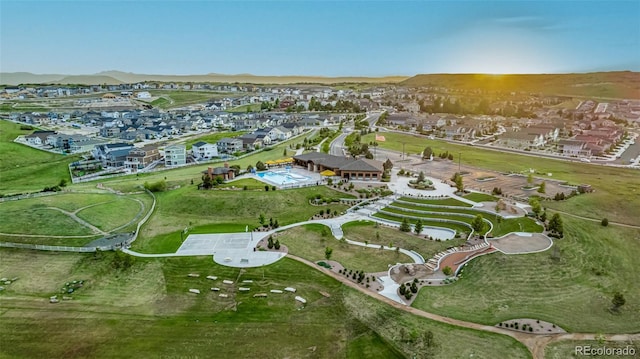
(337,146)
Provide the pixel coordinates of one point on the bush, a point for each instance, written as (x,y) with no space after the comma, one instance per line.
(605,222)
(447,270)
(159,186)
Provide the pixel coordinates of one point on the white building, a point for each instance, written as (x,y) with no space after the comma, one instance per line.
(175,155)
(204,151)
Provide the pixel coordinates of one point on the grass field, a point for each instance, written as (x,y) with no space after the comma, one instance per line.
(613,185)
(250,107)
(19,164)
(573,291)
(480,197)
(567,349)
(459,228)
(113,214)
(309,243)
(252,184)
(213,137)
(187,206)
(147,309)
(366,231)
(438,202)
(178,98)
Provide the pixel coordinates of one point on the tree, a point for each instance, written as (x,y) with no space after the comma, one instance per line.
(62,183)
(604,222)
(418,226)
(276,244)
(535,206)
(543,217)
(270,242)
(530,178)
(542,188)
(555,225)
(260,166)
(404,226)
(387,165)
(420,177)
(261,219)
(478,224)
(427,153)
(284,153)
(617,301)
(447,270)
(327,252)
(457,179)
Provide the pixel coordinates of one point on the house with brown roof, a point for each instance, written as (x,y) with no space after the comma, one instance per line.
(361,169)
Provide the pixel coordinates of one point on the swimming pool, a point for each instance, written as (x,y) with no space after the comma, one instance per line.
(282,177)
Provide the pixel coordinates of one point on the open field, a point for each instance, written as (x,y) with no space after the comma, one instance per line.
(252,184)
(573,291)
(612,185)
(186,206)
(147,309)
(309,243)
(567,349)
(366,231)
(250,107)
(615,84)
(38,220)
(438,202)
(113,214)
(480,197)
(213,137)
(178,98)
(19,164)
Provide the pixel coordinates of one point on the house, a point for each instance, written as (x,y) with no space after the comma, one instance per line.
(65,142)
(225,172)
(346,168)
(100,151)
(250,141)
(116,158)
(139,158)
(520,139)
(39,138)
(573,148)
(109,131)
(204,151)
(229,145)
(84,146)
(175,155)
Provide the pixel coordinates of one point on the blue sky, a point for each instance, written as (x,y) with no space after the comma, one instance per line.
(346,38)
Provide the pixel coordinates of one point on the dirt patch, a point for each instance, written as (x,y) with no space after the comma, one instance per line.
(517,244)
(532,326)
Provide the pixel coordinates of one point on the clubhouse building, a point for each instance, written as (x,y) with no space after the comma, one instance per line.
(361,169)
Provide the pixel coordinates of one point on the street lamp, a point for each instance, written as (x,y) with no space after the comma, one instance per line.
(459,160)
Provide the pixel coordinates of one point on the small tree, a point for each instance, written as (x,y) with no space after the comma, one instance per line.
(261,219)
(420,177)
(327,252)
(266,188)
(447,270)
(260,166)
(418,226)
(387,165)
(426,154)
(276,244)
(478,224)
(404,226)
(604,222)
(555,225)
(530,178)
(535,206)
(543,187)
(270,242)
(617,301)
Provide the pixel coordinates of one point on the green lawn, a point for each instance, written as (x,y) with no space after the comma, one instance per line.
(252,184)
(567,349)
(448,216)
(438,202)
(147,309)
(25,169)
(178,98)
(613,185)
(252,107)
(367,231)
(480,197)
(114,214)
(459,228)
(573,291)
(188,207)
(37,219)
(213,137)
(308,242)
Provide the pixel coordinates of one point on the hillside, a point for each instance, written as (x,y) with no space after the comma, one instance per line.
(116,77)
(621,84)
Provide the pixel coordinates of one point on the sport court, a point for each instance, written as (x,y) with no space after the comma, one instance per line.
(230,249)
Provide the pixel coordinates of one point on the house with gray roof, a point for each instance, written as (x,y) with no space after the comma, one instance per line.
(361,169)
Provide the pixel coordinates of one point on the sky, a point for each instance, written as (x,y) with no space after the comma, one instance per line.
(324,38)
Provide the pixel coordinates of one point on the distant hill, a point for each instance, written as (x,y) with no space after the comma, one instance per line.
(117,77)
(620,84)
